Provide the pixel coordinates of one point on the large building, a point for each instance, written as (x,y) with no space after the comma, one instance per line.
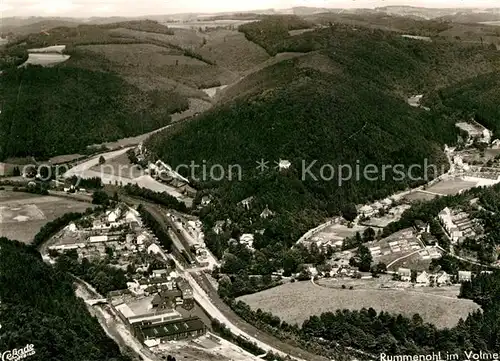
(182,329)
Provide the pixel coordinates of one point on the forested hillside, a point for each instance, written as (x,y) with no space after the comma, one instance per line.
(478,98)
(39,307)
(61,110)
(344,103)
(272,30)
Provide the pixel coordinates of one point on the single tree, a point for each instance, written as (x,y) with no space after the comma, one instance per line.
(349,212)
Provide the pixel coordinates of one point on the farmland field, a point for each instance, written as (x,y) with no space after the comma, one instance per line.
(230,49)
(296,302)
(133,55)
(419,196)
(45,59)
(23,214)
(337,233)
(415,262)
(166,67)
(451,186)
(181,37)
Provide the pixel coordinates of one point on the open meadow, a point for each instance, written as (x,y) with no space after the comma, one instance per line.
(296,302)
(23,214)
(451,186)
(45,59)
(419,196)
(230,49)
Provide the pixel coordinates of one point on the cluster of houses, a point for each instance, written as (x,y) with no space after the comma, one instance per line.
(458,225)
(475,132)
(374,209)
(166,174)
(423,278)
(441,278)
(245,239)
(117,233)
(169,289)
(158,303)
(386,207)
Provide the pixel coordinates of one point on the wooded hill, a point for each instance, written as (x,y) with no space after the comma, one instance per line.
(343,102)
(62,110)
(39,307)
(478,98)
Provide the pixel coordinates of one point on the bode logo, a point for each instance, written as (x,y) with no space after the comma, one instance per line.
(18,353)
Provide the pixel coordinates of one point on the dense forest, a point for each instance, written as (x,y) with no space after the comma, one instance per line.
(39,307)
(476,99)
(99,274)
(62,110)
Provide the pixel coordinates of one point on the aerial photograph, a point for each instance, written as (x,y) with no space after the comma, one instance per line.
(266,180)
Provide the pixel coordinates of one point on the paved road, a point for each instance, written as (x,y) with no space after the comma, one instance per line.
(206,295)
(217,309)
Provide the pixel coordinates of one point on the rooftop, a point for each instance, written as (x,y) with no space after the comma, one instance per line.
(172,328)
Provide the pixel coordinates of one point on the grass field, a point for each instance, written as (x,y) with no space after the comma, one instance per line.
(182,37)
(419,196)
(119,166)
(45,59)
(230,49)
(414,262)
(296,302)
(451,186)
(152,66)
(134,55)
(337,233)
(23,214)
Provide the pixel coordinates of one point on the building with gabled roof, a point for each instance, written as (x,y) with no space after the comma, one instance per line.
(423,278)
(246,203)
(266,213)
(170,331)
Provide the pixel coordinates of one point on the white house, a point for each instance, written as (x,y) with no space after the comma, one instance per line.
(247,239)
(486,136)
(443,278)
(284,164)
(387,202)
(246,203)
(132,216)
(113,215)
(366,211)
(312,270)
(219,227)
(160,272)
(423,278)
(72,227)
(154,248)
(266,213)
(66,247)
(205,200)
(446,219)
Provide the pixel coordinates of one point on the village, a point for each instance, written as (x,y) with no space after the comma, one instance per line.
(407,255)
(158,303)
